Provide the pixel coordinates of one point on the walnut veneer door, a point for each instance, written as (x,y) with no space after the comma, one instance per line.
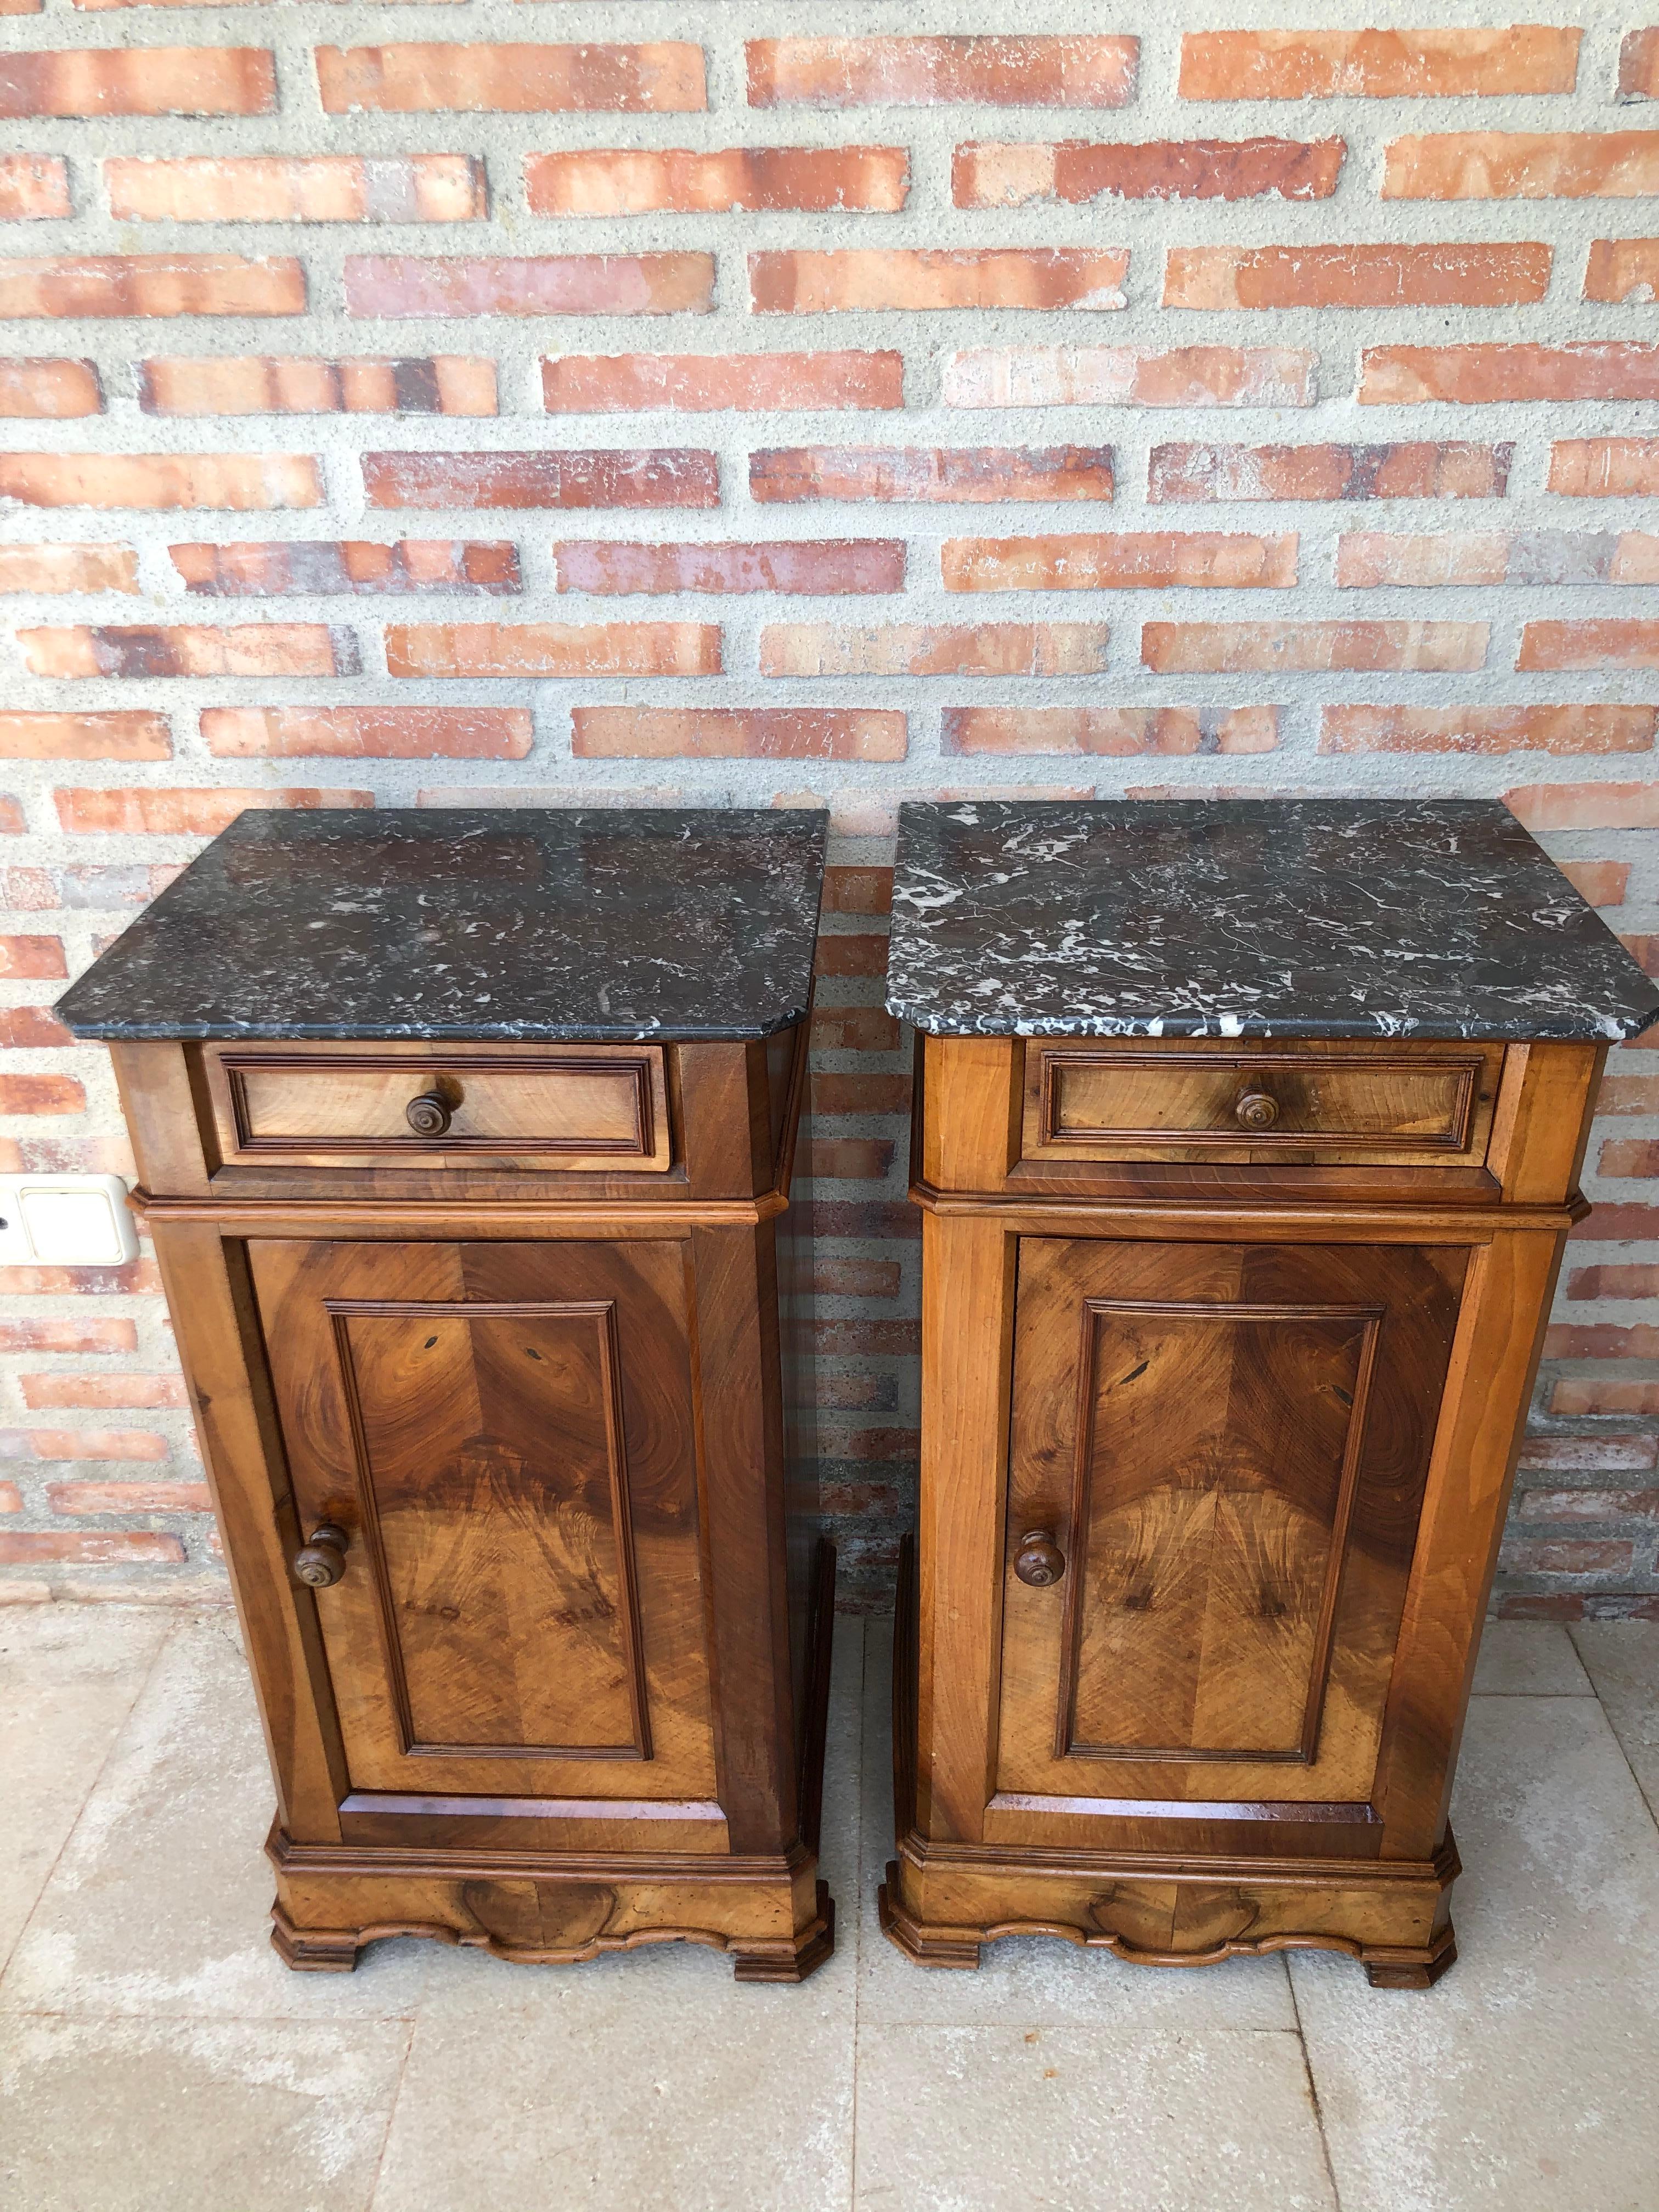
(505,1434)
(1226,1446)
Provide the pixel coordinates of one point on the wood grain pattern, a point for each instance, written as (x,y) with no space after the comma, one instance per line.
(503,1430)
(1233,1440)
(1381,1106)
(594,1106)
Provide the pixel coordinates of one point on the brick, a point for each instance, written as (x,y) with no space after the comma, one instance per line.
(1131,376)
(245,649)
(847,1159)
(396,285)
(856,1279)
(1439,275)
(1569,1556)
(938,72)
(1638,65)
(1110,733)
(1497,556)
(79,1497)
(1443,469)
(727,733)
(1575,729)
(56,391)
(90,1443)
(110,736)
(32,1029)
(1630,1156)
(986,173)
(161,480)
(865,1340)
(1637,1282)
(670,477)
(852,955)
(175,812)
(855,1029)
(836,565)
(155,284)
(1577,1394)
(1522,165)
(67,569)
(368,732)
(34,187)
(977,475)
(41,1094)
(133,1275)
(858,889)
(488,567)
(641,181)
(1605,468)
(1403,376)
(1144,560)
(1587,1504)
(27,889)
(1619,1094)
(67,1388)
(299,188)
(34,957)
(662,78)
(577,383)
(1604,883)
(1189,648)
(1409,65)
(919,279)
(111,1549)
(11,1497)
(933,649)
(1624,272)
(1609,644)
(84,1339)
(1603,1454)
(441,384)
(140,80)
(553,649)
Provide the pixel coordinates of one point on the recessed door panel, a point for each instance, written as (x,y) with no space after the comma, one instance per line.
(1227,1445)
(504,1433)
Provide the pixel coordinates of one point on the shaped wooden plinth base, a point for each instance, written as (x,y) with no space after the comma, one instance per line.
(1395,1920)
(776,1930)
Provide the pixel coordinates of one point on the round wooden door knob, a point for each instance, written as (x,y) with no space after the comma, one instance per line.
(428,1115)
(321,1559)
(1039,1560)
(1256,1110)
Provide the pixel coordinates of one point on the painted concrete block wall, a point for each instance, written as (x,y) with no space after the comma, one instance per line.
(546,401)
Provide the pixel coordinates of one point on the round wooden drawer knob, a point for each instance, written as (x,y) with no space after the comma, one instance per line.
(320,1561)
(1256,1110)
(1039,1560)
(427,1116)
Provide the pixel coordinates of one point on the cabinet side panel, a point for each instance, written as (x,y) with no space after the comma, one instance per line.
(211,1300)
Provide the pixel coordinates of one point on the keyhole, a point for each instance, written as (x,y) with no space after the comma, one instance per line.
(430,1341)
(529,1354)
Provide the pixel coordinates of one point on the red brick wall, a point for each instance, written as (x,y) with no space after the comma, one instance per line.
(412,406)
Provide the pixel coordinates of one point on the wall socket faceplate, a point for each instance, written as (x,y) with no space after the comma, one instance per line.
(65,1221)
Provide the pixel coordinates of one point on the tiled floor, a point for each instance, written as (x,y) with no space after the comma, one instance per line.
(154,2054)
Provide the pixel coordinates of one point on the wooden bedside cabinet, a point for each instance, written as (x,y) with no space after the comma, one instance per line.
(1248,1136)
(466,1141)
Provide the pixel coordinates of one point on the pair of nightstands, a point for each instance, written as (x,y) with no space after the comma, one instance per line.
(1247,1139)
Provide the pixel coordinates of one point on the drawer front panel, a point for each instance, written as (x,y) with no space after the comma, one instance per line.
(1341,1104)
(595,1108)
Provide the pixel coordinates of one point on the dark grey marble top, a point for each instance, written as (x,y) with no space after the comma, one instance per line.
(522,923)
(1249,918)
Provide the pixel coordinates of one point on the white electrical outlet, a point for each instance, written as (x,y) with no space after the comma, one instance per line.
(65,1221)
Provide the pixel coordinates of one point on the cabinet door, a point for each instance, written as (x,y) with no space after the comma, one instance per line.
(1228,1446)
(504,1432)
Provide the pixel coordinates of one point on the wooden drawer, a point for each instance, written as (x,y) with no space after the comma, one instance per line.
(581,1107)
(1336,1103)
